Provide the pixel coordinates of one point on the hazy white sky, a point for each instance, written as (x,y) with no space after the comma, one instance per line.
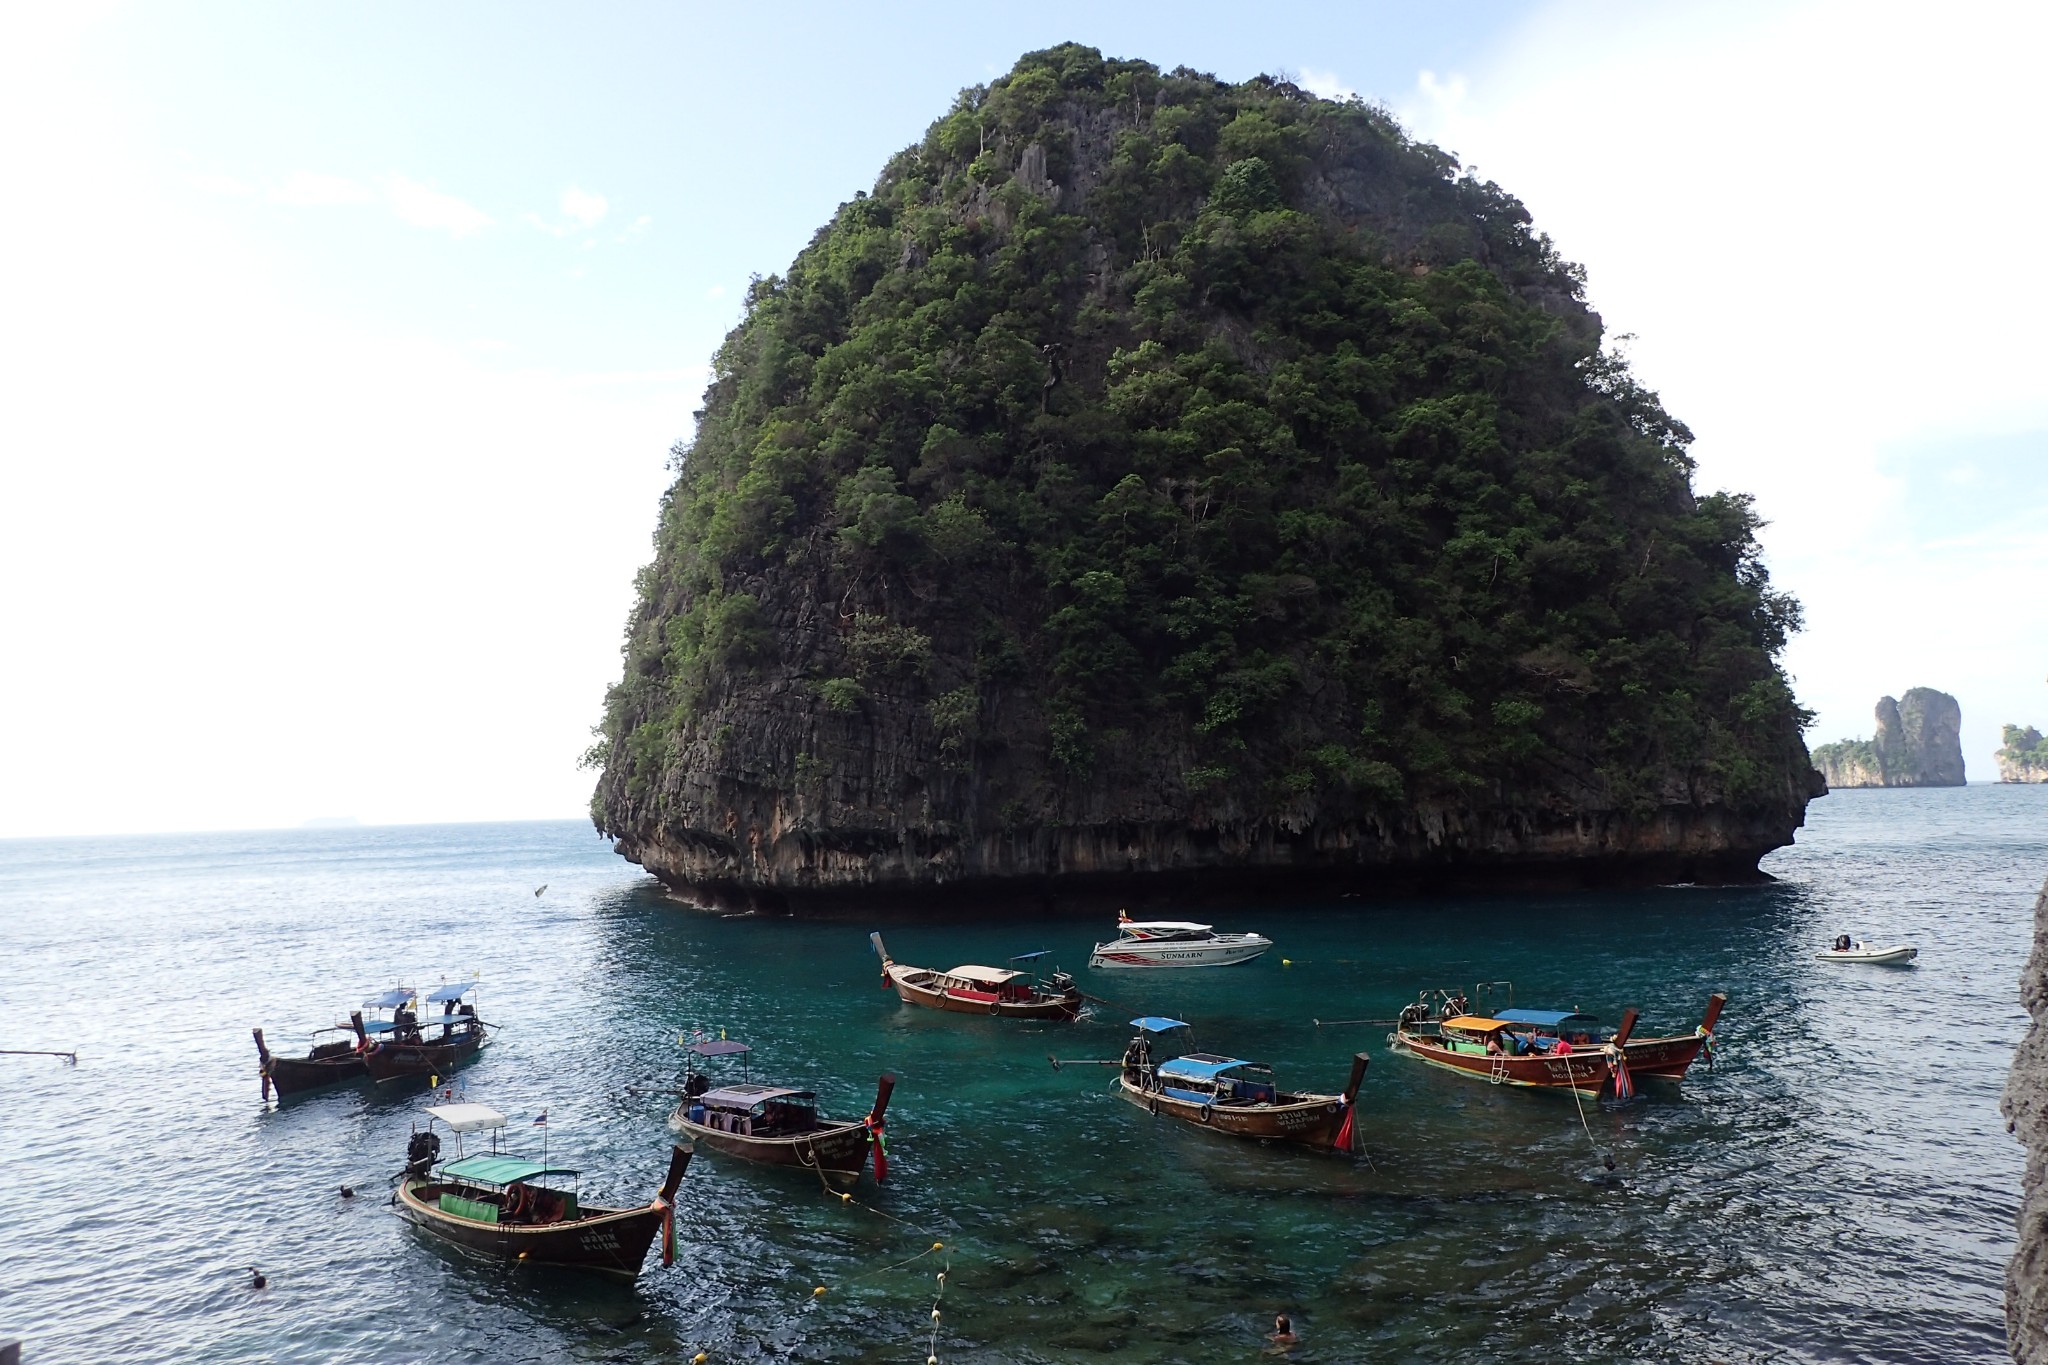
(341,349)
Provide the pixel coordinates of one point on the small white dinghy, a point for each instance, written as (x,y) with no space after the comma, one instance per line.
(1846,949)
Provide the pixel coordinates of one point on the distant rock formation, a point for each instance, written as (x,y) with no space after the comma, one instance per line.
(2024,757)
(1919,743)
(2026,1113)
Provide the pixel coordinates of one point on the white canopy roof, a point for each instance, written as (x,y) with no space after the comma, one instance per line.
(987,976)
(467,1118)
(1173,926)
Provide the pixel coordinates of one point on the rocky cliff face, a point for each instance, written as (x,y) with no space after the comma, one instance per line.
(1918,744)
(1159,484)
(2026,1113)
(2024,756)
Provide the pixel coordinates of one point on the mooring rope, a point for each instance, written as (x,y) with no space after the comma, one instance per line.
(1577,1099)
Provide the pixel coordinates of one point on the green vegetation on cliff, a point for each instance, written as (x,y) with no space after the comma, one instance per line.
(2024,755)
(1214,444)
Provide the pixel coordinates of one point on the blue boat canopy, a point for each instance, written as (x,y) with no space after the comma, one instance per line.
(1031,957)
(453,991)
(1152,1023)
(1200,1066)
(390,1000)
(718,1047)
(373,1027)
(1546,1018)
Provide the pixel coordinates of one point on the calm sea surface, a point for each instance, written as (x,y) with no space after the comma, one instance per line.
(1839,1187)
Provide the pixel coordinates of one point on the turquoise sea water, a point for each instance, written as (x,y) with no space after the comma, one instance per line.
(1839,1187)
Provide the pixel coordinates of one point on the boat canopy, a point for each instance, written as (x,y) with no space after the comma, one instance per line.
(1164,926)
(747,1096)
(1032,956)
(1547,1018)
(451,992)
(1473,1023)
(374,1026)
(718,1047)
(468,1118)
(1153,1023)
(500,1170)
(1201,1066)
(390,1000)
(986,976)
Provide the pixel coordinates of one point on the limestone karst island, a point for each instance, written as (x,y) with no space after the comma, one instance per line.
(1152,478)
(1918,743)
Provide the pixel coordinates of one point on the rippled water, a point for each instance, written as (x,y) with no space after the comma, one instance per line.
(1840,1187)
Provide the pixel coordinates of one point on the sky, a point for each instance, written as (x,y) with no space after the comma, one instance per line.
(342,348)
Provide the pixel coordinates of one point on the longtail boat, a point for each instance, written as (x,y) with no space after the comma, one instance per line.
(432,1045)
(1555,1049)
(336,1055)
(777,1125)
(1233,1096)
(529,1212)
(999,992)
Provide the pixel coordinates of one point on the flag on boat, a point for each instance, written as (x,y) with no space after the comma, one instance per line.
(543,1117)
(1623,1088)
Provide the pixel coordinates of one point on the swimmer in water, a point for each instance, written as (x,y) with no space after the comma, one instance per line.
(1283,1331)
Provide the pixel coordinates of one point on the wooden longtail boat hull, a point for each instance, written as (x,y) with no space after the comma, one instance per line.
(1310,1120)
(295,1075)
(1587,1072)
(613,1241)
(1664,1058)
(838,1151)
(1054,1007)
(328,1064)
(394,1061)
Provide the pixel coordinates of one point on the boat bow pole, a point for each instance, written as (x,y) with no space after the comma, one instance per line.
(678,1162)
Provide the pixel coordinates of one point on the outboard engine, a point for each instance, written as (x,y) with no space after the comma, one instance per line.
(1414,1013)
(1062,982)
(696,1085)
(422,1150)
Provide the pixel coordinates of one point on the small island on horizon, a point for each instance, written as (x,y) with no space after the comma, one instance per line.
(1918,743)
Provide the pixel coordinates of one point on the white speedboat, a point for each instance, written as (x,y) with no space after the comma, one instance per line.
(1846,949)
(1175,943)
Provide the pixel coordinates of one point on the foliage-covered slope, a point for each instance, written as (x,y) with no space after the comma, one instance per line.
(1149,458)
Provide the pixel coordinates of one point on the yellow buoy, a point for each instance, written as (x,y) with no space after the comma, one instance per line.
(1287,962)
(819,1292)
(938,1246)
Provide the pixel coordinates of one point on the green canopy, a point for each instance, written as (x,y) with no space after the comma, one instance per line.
(499,1170)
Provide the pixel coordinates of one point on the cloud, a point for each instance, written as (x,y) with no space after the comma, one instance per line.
(583,211)
(309,189)
(587,209)
(1325,84)
(429,208)
(1444,96)
(716,291)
